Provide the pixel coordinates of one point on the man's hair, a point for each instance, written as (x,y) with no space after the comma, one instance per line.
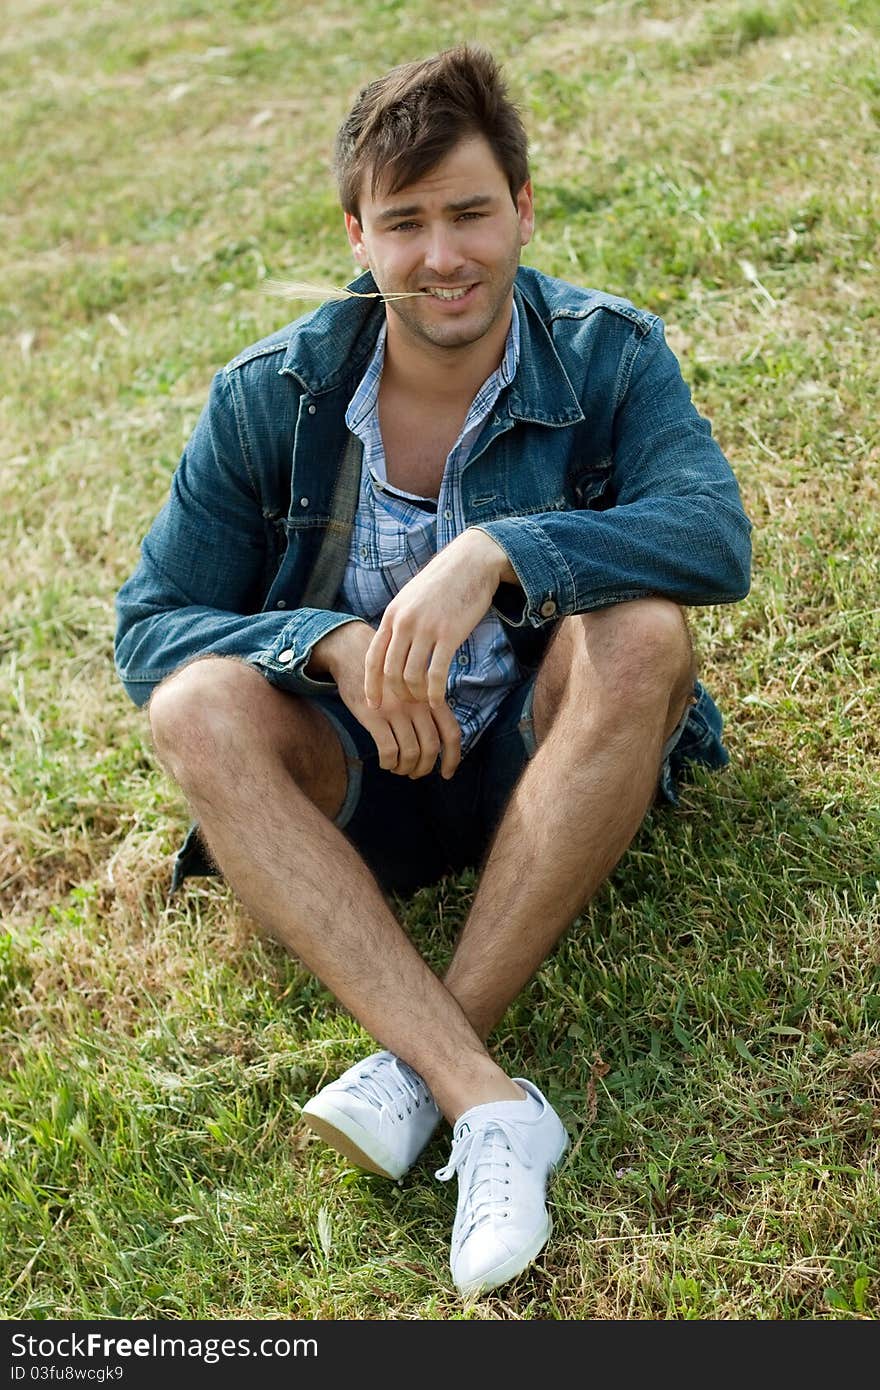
(403,124)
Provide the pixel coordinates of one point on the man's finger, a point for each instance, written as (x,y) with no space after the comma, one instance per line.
(408,743)
(449,730)
(386,746)
(429,741)
(396,657)
(373,664)
(415,671)
(438,673)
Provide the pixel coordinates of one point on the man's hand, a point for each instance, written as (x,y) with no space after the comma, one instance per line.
(426,623)
(408,734)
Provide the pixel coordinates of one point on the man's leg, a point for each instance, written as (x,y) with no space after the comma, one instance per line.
(265,774)
(610,691)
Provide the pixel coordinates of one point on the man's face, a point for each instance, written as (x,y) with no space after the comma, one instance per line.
(456,230)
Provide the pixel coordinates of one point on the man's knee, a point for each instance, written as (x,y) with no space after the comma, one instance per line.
(222,731)
(634,658)
(195,713)
(214,720)
(644,647)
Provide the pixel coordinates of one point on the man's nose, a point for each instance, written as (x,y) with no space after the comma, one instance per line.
(442,255)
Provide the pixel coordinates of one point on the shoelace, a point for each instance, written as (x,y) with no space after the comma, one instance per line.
(391,1083)
(480,1158)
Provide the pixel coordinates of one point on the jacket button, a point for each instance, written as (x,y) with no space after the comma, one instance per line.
(312,409)
(548,608)
(285,657)
(282,603)
(304,501)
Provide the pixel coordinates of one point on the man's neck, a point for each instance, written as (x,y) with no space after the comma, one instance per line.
(441,375)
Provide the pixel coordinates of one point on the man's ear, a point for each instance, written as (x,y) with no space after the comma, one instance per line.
(356,240)
(525,208)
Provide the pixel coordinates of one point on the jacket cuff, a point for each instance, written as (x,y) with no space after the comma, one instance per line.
(547,584)
(285,661)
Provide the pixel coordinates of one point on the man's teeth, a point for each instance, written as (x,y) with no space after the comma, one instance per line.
(449,294)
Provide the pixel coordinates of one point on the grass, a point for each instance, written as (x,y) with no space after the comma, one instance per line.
(709,1027)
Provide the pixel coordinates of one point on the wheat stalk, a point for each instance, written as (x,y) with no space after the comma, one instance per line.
(303,289)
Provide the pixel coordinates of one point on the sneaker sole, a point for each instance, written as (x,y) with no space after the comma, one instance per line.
(348,1138)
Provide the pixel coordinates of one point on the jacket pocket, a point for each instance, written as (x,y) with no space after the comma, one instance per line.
(590,484)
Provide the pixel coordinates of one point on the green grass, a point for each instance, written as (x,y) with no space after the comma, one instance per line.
(709,1027)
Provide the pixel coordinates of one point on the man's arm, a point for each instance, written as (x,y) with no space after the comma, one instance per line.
(201,579)
(677,530)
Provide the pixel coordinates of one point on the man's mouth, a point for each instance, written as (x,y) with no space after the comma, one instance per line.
(438,292)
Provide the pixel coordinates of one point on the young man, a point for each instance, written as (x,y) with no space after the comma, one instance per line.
(415,604)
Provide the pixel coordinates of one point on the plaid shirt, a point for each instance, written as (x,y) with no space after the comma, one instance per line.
(396,533)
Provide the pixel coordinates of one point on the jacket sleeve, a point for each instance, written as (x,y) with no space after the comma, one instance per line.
(201,580)
(677,528)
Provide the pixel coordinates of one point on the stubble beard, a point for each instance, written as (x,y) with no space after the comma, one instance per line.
(451,334)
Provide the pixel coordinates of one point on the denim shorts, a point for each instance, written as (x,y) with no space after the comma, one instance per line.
(411,832)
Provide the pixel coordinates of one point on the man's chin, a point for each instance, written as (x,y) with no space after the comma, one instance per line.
(442,330)
(453,335)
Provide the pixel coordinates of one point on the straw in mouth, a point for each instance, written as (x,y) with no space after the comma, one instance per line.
(304,289)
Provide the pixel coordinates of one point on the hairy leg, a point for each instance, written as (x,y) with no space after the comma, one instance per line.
(612,688)
(265,774)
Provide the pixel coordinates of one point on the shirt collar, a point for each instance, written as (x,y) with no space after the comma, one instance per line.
(363,402)
(330,349)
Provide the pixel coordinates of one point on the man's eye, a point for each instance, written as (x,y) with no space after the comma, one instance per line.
(475,215)
(403,226)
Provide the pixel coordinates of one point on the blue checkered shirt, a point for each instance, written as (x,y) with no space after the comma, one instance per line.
(396,533)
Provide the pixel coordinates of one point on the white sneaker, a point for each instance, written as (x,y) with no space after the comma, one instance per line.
(504,1154)
(379,1113)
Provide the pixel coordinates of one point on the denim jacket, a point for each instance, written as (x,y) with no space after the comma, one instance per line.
(595,474)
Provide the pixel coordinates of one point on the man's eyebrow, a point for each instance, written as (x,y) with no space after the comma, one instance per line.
(479,200)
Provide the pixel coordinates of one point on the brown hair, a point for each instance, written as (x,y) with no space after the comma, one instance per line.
(403,124)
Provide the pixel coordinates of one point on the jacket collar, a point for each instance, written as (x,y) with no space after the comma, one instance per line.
(332,346)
